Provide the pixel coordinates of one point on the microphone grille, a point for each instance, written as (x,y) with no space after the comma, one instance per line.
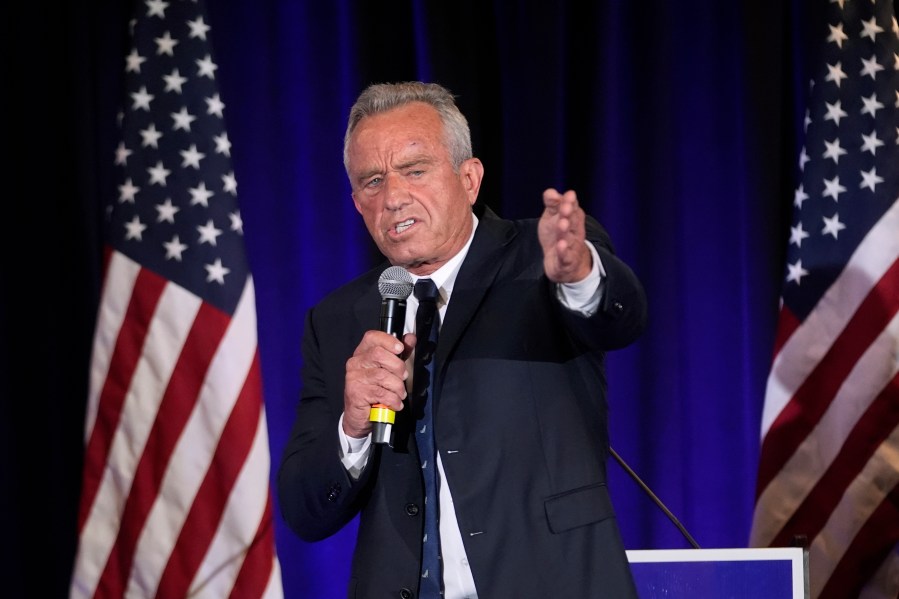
(395,283)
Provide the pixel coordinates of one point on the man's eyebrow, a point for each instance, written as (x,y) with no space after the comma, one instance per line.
(419,161)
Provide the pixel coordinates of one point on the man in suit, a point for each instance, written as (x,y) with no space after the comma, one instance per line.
(527,310)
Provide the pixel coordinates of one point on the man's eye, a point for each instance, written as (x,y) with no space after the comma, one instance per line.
(373,182)
(416,173)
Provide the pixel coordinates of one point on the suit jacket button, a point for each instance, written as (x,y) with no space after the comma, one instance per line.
(334,492)
(406,594)
(411,509)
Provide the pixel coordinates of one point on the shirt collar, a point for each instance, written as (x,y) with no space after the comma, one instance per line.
(445,276)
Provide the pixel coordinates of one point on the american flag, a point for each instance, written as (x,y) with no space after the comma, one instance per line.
(176,499)
(829,466)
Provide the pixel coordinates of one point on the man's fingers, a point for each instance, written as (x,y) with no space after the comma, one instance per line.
(376,373)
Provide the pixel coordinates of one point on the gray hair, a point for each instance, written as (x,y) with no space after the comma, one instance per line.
(381,97)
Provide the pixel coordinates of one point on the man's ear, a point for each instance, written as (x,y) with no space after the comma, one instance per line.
(472,173)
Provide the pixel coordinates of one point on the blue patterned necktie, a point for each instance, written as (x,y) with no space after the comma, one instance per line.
(426,327)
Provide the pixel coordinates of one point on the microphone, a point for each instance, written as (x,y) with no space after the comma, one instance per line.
(395,285)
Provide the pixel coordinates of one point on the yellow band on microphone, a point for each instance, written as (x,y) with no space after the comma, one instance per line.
(381,413)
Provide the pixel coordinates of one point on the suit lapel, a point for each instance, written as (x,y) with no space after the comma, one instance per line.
(481,266)
(367,307)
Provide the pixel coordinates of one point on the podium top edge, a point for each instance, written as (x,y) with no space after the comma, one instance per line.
(722,554)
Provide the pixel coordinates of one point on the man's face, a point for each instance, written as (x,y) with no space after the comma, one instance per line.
(416,208)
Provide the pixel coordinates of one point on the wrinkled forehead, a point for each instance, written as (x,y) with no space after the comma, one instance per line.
(410,132)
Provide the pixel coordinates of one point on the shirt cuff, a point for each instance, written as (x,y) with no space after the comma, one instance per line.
(353,452)
(584,296)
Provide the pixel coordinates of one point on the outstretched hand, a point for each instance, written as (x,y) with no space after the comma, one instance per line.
(566,258)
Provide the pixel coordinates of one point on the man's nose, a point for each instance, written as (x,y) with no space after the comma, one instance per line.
(396,191)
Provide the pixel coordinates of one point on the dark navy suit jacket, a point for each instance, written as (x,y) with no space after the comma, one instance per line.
(521,423)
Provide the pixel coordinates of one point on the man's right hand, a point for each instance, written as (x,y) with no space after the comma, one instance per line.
(375,374)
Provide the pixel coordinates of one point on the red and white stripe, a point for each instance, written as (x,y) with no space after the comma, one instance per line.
(176,498)
(829,466)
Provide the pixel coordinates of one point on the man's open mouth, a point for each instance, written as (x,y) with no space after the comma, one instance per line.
(400,227)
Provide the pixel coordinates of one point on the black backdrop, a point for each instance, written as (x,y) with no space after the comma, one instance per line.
(676,122)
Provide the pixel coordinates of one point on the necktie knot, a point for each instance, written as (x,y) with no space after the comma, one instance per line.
(426,324)
(425,290)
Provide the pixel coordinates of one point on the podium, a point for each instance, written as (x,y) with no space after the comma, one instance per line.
(757,573)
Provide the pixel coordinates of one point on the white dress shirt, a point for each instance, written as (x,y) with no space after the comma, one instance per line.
(583,296)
